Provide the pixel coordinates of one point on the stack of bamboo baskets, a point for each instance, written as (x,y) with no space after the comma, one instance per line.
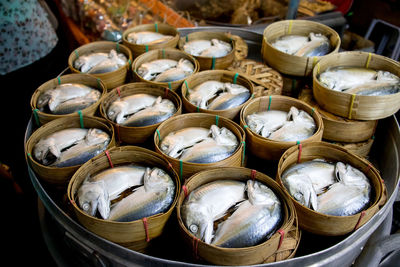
(265,84)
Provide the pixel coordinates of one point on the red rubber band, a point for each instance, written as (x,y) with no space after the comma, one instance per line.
(282,233)
(109,159)
(359,220)
(367,168)
(299,155)
(119,92)
(119,136)
(166,92)
(253,174)
(195,247)
(185,190)
(146,229)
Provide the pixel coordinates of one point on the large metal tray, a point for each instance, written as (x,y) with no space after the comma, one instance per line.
(85,247)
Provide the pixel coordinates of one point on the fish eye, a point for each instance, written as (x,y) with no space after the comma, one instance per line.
(193,228)
(85,206)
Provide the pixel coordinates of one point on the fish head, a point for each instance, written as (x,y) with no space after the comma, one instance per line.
(301,189)
(93,197)
(155,179)
(171,145)
(260,194)
(350,176)
(198,222)
(97,137)
(116,111)
(44,99)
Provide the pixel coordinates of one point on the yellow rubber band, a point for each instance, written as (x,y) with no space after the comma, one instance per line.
(290,26)
(315,59)
(318,68)
(353,97)
(368,60)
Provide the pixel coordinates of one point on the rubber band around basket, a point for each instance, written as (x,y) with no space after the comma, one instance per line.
(235,77)
(146,47)
(187,38)
(353,97)
(166,92)
(163,53)
(367,168)
(368,60)
(213,63)
(185,190)
(315,60)
(118,91)
(36,116)
(59,79)
(253,174)
(159,135)
(269,102)
(195,247)
(146,228)
(76,54)
(197,108)
(359,220)
(109,158)
(99,83)
(282,233)
(300,150)
(117,47)
(312,111)
(187,86)
(156,26)
(290,26)
(216,119)
(181,170)
(170,85)
(118,134)
(81,118)
(244,152)
(318,68)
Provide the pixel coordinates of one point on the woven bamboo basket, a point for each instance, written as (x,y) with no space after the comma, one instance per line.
(43,117)
(186,169)
(292,85)
(351,106)
(110,79)
(174,54)
(136,235)
(218,75)
(208,63)
(137,135)
(266,80)
(138,49)
(340,129)
(58,177)
(328,225)
(290,64)
(268,149)
(361,149)
(237,256)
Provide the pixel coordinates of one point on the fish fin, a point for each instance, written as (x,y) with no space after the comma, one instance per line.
(54,151)
(208,232)
(104,205)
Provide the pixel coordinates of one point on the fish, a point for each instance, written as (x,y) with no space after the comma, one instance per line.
(234,96)
(96,63)
(195,47)
(70,147)
(148,37)
(355,79)
(122,108)
(299,126)
(154,197)
(68,98)
(266,122)
(93,197)
(150,70)
(161,110)
(208,203)
(218,49)
(175,142)
(315,44)
(375,88)
(183,69)
(253,222)
(204,92)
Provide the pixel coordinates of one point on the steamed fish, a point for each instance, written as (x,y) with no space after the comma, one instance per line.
(208,48)
(208,203)
(254,221)
(361,81)
(148,38)
(183,69)
(166,70)
(266,122)
(70,147)
(68,98)
(96,63)
(303,46)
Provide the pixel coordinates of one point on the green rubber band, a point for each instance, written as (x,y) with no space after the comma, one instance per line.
(76,54)
(216,120)
(147,48)
(159,135)
(187,38)
(269,104)
(187,86)
(373,137)
(235,78)
(29,154)
(117,47)
(35,115)
(169,85)
(130,62)
(81,118)
(244,151)
(245,126)
(213,63)
(156,26)
(163,53)
(59,80)
(312,111)
(252,96)
(181,170)
(297,142)
(197,109)
(98,83)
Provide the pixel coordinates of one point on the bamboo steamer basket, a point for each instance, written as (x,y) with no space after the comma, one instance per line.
(218,75)
(138,49)
(291,64)
(268,149)
(136,235)
(361,149)
(266,81)
(292,85)
(85,79)
(58,177)
(186,169)
(211,63)
(323,224)
(340,129)
(351,106)
(174,54)
(237,256)
(110,79)
(137,135)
